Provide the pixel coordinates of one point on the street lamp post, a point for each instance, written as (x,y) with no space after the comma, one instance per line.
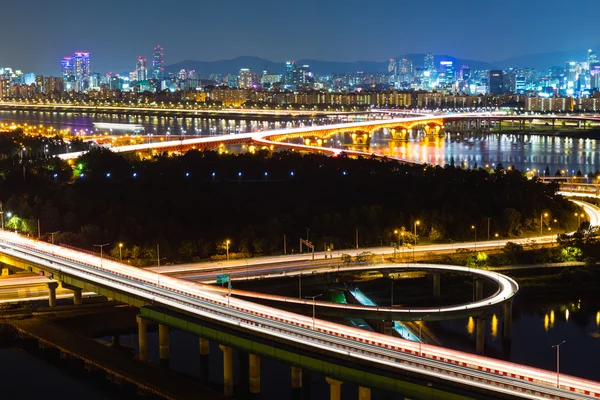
(416,224)
(496,236)
(121,252)
(475,229)
(2,215)
(227,242)
(557,225)
(578,215)
(314,306)
(101,247)
(542,221)
(558,362)
(488,220)
(420,326)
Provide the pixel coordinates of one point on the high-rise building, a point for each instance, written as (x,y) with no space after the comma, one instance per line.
(245,79)
(572,72)
(141,72)
(158,63)
(29,78)
(82,67)
(465,73)
(68,71)
(593,60)
(290,67)
(520,84)
(429,64)
(447,68)
(405,69)
(392,67)
(496,82)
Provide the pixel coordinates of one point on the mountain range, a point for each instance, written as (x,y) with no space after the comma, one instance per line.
(257,64)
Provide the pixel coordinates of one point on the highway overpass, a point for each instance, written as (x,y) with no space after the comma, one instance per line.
(363,349)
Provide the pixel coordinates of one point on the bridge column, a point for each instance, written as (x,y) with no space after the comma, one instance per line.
(296,377)
(254,373)
(142,331)
(335,388)
(480,335)
(530,124)
(364,393)
(204,360)
(52,295)
(163,343)
(204,347)
(436,284)
(553,123)
(77,296)
(227,370)
(507,320)
(478,289)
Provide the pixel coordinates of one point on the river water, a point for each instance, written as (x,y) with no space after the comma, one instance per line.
(525,152)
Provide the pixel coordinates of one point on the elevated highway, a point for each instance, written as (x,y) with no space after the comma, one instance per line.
(363,347)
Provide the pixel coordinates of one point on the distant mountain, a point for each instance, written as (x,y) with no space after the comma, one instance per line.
(257,64)
(544,61)
(205,68)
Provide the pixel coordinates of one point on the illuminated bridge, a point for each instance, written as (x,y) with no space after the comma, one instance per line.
(342,353)
(316,138)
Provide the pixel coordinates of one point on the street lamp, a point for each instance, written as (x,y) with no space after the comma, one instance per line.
(496,236)
(227,242)
(121,252)
(578,215)
(420,326)
(542,221)
(558,361)
(417,222)
(475,229)
(557,225)
(314,305)
(2,215)
(101,247)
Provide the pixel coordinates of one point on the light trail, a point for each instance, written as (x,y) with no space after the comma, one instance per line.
(385,351)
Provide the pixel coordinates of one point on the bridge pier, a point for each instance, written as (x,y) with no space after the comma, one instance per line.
(163,344)
(77,293)
(254,363)
(335,388)
(478,289)
(142,332)
(204,349)
(507,320)
(364,393)
(436,285)
(227,370)
(480,335)
(296,377)
(52,286)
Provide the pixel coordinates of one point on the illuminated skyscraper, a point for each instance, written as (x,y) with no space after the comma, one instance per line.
(429,62)
(141,72)
(447,68)
(392,67)
(245,79)
(68,72)
(405,69)
(496,82)
(158,63)
(81,65)
(290,67)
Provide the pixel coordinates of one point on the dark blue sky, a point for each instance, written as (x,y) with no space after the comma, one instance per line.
(37,33)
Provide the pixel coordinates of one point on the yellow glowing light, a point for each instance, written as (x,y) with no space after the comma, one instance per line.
(546,323)
(471,326)
(494,326)
(552,318)
(567,314)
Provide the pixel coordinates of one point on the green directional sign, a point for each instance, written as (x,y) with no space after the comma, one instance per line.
(223,278)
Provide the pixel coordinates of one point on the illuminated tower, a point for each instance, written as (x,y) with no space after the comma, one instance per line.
(141,72)
(81,66)
(68,72)
(158,63)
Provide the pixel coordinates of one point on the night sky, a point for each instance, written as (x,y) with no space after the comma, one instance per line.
(37,33)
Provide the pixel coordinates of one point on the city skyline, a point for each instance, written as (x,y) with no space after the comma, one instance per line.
(330,38)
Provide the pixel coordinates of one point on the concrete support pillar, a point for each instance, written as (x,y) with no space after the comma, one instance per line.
(296,377)
(77,296)
(227,370)
(436,285)
(335,388)
(579,124)
(530,124)
(553,123)
(478,289)
(163,342)
(142,331)
(204,347)
(52,295)
(364,393)
(507,320)
(254,362)
(480,335)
